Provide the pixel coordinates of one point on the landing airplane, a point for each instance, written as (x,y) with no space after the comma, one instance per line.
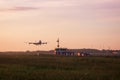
(38,43)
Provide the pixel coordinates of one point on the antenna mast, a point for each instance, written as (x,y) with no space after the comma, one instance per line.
(58,45)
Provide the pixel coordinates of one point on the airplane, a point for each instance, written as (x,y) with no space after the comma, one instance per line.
(38,43)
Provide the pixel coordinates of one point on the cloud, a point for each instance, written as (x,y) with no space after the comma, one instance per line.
(19,8)
(22,8)
(108,5)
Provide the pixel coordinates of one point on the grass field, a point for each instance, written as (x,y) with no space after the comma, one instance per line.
(50,67)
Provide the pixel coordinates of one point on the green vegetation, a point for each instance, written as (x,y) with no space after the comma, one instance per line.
(50,67)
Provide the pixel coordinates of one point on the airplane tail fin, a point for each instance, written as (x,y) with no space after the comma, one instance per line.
(40,41)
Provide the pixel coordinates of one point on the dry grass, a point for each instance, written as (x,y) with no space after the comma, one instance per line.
(49,67)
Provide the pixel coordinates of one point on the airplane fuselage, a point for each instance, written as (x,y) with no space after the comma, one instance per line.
(39,43)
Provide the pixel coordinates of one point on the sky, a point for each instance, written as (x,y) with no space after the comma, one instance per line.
(77,23)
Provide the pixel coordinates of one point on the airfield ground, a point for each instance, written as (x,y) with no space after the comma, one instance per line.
(50,67)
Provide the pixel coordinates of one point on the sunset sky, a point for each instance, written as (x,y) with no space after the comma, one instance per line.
(78,24)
